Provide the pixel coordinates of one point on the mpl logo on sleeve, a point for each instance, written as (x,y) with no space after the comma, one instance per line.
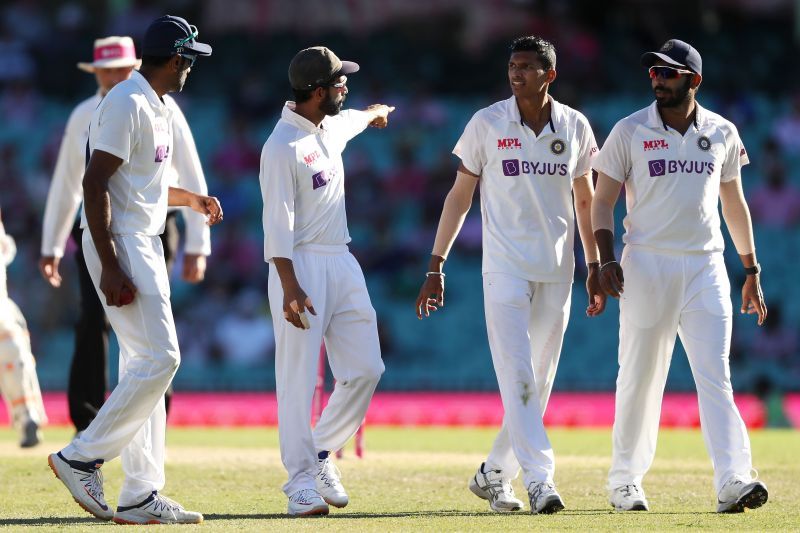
(656,144)
(509,143)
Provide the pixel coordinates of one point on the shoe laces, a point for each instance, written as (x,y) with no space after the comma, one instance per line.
(537,489)
(329,473)
(92,482)
(630,491)
(737,479)
(304,496)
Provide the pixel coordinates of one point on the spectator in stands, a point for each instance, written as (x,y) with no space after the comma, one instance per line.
(775,202)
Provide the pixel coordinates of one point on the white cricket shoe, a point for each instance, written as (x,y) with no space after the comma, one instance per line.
(156,509)
(490,485)
(307,502)
(544,498)
(329,484)
(740,493)
(628,498)
(84,481)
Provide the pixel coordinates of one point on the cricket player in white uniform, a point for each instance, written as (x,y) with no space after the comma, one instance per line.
(677,161)
(310,268)
(19,385)
(126,195)
(114,61)
(532,157)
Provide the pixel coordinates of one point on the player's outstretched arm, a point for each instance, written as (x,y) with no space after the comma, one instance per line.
(295,300)
(605,197)
(205,205)
(380,115)
(456,206)
(583,192)
(737,218)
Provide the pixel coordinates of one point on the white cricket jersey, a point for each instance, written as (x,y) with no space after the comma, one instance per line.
(526,187)
(302,181)
(66,191)
(672,180)
(132,123)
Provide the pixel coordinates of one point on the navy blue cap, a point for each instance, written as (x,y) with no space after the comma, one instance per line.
(171,35)
(678,53)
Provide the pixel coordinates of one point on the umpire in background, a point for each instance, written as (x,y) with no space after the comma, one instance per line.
(114,61)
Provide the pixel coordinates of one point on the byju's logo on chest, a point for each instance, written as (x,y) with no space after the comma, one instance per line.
(320,179)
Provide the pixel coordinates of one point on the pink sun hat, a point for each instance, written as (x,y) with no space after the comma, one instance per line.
(112,52)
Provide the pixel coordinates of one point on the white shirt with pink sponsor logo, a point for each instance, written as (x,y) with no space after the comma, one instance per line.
(302,181)
(526,187)
(133,124)
(672,180)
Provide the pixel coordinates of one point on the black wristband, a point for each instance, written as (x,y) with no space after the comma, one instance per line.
(753,270)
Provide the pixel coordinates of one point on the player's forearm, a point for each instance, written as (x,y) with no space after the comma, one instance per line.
(180,197)
(737,217)
(453,215)
(605,245)
(583,192)
(285,268)
(97,204)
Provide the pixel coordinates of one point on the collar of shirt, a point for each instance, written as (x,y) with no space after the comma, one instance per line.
(557,116)
(289,115)
(147,90)
(655,121)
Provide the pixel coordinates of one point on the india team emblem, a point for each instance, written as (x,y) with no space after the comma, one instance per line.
(704,143)
(667,46)
(558,146)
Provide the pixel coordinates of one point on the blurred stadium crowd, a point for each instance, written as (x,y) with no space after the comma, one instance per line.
(437,61)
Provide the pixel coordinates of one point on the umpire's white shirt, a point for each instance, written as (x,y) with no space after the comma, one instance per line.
(66,193)
(672,180)
(526,185)
(302,181)
(132,123)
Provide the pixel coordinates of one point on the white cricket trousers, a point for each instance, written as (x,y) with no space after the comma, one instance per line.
(665,294)
(19,384)
(345,319)
(132,422)
(526,321)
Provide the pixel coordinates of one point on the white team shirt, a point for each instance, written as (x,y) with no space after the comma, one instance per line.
(526,186)
(66,192)
(672,180)
(302,181)
(132,123)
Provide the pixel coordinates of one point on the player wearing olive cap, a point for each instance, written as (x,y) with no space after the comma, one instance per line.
(310,268)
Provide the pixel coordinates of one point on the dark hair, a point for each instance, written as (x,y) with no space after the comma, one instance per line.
(302,95)
(155,61)
(543,48)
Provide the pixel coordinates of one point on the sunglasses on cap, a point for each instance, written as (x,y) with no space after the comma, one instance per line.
(339,84)
(193,35)
(667,73)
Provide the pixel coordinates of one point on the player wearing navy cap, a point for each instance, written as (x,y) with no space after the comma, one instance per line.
(126,196)
(677,161)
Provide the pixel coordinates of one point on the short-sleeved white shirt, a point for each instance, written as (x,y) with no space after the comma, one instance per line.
(302,181)
(132,123)
(672,180)
(526,186)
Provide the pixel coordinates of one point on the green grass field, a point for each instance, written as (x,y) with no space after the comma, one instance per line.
(410,480)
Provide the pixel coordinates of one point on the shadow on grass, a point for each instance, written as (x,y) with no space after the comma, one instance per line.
(418,514)
(52,521)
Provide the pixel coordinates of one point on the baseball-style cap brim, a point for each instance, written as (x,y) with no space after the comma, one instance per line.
(109,63)
(348,67)
(201,49)
(649,59)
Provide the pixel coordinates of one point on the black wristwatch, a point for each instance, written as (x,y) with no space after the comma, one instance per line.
(755,269)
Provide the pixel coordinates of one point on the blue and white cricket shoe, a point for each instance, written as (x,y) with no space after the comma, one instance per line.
(84,481)
(156,509)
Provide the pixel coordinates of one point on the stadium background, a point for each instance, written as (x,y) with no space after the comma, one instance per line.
(438,61)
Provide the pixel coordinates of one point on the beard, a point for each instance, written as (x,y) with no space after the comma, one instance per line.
(330,106)
(673,98)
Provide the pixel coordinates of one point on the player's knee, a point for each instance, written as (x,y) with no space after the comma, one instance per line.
(373,372)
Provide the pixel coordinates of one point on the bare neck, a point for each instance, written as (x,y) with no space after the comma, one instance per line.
(535,111)
(680,117)
(157,81)
(310,112)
